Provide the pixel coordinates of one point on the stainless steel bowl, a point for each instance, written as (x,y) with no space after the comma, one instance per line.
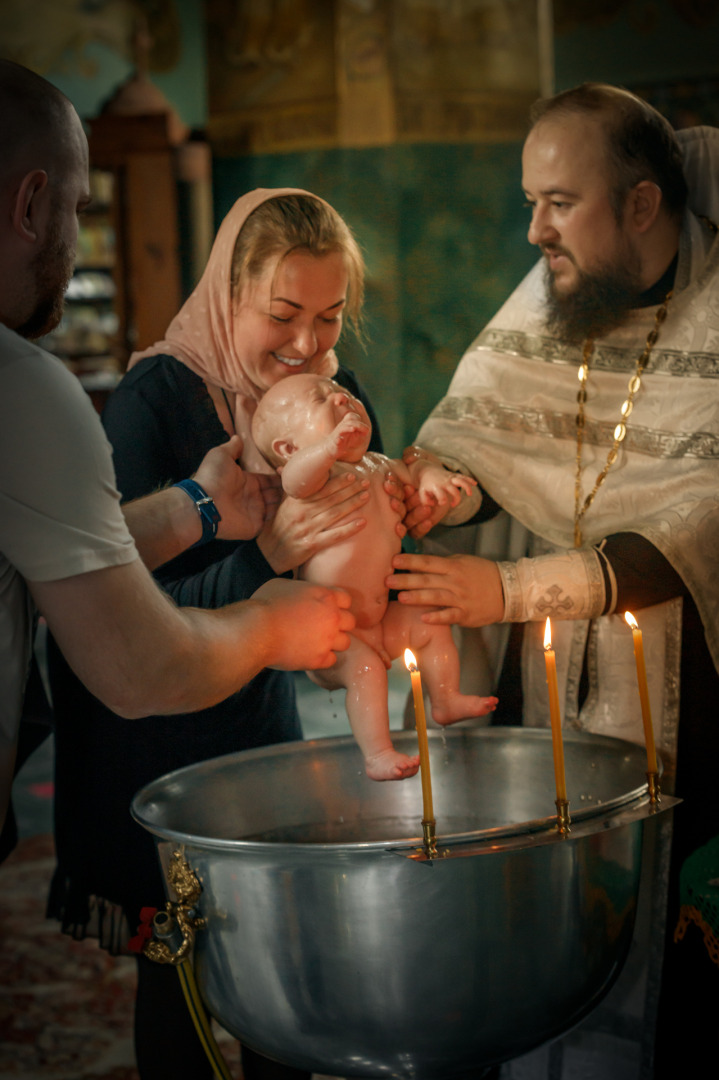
(332,945)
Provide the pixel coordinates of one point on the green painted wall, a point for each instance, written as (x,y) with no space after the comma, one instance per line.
(443,232)
(645,41)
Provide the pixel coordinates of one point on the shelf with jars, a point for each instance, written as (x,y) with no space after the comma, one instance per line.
(86,338)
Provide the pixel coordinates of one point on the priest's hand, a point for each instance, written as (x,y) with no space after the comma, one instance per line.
(464,589)
(421,517)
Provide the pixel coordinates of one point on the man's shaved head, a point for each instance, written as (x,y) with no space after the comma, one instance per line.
(43,187)
(37,124)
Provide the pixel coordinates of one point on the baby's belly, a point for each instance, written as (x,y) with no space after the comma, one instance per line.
(360,565)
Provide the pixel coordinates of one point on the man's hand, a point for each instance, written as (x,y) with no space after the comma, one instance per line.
(245,500)
(465,589)
(309,623)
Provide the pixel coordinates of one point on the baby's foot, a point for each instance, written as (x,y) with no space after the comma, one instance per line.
(458,706)
(391,765)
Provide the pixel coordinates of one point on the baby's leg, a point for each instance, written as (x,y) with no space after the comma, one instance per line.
(438,662)
(362,671)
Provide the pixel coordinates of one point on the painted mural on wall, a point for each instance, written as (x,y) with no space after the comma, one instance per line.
(54,34)
(270,71)
(296,74)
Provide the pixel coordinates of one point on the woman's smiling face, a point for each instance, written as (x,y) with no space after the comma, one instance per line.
(288,319)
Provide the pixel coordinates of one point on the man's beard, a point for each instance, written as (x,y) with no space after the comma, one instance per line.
(599,303)
(52,269)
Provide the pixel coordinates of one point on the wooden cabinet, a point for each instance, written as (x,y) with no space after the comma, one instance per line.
(139,153)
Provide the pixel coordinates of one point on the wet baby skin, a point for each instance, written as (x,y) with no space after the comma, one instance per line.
(312,429)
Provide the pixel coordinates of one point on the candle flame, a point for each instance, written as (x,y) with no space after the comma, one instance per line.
(410,660)
(548,635)
(631,621)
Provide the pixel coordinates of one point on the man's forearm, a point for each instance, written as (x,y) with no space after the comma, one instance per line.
(141,655)
(163,525)
(206,657)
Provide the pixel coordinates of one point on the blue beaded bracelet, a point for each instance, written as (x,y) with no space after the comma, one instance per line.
(209,514)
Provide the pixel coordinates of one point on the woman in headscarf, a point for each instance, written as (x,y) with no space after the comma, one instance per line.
(283,272)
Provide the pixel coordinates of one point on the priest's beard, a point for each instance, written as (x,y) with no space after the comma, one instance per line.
(599,303)
(51,269)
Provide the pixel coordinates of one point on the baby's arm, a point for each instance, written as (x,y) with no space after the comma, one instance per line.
(307,470)
(436,485)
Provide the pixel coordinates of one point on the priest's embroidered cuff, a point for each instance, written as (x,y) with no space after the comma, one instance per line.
(563,585)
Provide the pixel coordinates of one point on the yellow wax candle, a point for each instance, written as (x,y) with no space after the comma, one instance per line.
(555,715)
(421,723)
(643,692)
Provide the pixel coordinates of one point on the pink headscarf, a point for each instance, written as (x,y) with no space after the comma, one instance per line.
(200,335)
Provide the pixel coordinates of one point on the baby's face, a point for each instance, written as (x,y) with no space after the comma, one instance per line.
(320,404)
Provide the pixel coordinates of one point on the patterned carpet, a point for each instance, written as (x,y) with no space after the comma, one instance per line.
(65,1006)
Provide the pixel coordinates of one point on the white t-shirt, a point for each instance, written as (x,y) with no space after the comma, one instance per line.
(59,507)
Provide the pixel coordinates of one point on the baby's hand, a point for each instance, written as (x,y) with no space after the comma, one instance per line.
(438,487)
(350,433)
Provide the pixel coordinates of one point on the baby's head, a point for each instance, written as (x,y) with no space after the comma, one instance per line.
(299,411)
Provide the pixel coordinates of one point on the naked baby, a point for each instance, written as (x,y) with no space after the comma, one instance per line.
(311,429)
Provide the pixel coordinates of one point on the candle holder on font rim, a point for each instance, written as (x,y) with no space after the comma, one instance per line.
(654,788)
(563,818)
(429,838)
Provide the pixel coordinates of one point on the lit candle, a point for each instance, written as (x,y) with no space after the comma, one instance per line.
(421,723)
(643,692)
(554,714)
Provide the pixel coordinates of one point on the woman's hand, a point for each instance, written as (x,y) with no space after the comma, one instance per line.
(398,493)
(464,589)
(302,527)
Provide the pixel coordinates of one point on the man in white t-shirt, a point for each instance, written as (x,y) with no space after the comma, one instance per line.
(65,547)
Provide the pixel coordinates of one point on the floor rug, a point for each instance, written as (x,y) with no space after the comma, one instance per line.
(65,1006)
